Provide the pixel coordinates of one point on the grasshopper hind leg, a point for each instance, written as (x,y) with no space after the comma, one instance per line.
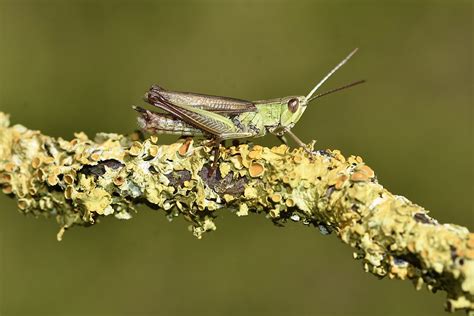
(163,123)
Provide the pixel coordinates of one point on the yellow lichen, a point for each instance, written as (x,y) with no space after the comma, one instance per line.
(10,167)
(68,192)
(96,201)
(185,147)
(338,156)
(470,241)
(276,197)
(243,210)
(36,162)
(23,204)
(280,150)
(297,159)
(250,192)
(224,168)
(135,149)
(340,181)
(32,191)
(119,180)
(95,156)
(256,169)
(48,160)
(40,174)
(53,179)
(469,253)
(153,150)
(99,178)
(81,136)
(228,198)
(69,178)
(274,213)
(367,170)
(290,202)
(5,177)
(237,162)
(255,154)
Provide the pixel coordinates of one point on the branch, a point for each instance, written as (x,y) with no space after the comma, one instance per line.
(82,180)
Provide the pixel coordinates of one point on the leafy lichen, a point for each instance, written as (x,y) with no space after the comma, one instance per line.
(82,180)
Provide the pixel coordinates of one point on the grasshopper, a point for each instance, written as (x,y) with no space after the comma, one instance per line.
(223,118)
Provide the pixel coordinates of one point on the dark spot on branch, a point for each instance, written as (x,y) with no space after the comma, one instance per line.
(48,149)
(99,169)
(55,188)
(412,259)
(455,257)
(178,178)
(424,219)
(454,254)
(226,185)
(324,229)
(399,261)
(324,153)
(330,190)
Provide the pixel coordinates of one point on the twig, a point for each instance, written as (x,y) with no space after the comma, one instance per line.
(82,180)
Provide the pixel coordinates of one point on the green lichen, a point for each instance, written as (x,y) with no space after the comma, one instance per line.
(80,181)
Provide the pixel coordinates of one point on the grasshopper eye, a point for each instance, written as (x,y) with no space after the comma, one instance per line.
(293,105)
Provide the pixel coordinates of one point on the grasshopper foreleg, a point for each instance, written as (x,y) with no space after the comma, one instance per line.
(300,143)
(296,139)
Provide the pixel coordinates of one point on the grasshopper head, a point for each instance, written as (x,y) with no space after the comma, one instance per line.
(292,108)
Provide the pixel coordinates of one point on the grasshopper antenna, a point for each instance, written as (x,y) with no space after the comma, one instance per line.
(335,90)
(308,97)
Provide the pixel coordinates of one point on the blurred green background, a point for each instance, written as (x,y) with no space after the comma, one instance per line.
(67,66)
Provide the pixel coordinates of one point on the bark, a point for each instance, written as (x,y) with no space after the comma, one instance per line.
(81,180)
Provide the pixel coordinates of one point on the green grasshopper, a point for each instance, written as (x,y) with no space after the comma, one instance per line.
(223,118)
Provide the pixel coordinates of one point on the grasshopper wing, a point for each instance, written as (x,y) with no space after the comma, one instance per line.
(222,105)
(212,123)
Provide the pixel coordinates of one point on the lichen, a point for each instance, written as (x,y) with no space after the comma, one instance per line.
(81,180)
